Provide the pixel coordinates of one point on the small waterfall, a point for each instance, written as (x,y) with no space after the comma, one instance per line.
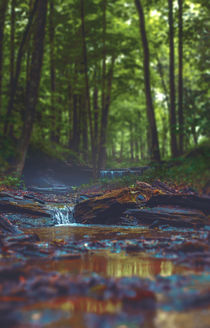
(63,215)
(111,173)
(122,172)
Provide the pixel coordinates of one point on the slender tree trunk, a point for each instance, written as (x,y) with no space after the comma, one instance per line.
(194,134)
(136,143)
(121,146)
(84,129)
(164,86)
(154,144)
(141,146)
(173,141)
(52,72)
(96,112)
(3,9)
(113,151)
(12,42)
(70,112)
(18,66)
(12,51)
(103,86)
(180,86)
(104,119)
(75,123)
(131,142)
(87,89)
(28,59)
(34,82)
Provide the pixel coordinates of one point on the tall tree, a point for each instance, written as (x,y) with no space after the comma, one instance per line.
(180,85)
(3,9)
(172,114)
(104,117)
(32,91)
(87,88)
(153,136)
(20,55)
(12,42)
(54,136)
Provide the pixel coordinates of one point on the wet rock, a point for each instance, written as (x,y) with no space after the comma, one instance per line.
(161,216)
(34,199)
(133,248)
(108,208)
(7,227)
(11,273)
(105,209)
(14,207)
(25,221)
(192,247)
(185,201)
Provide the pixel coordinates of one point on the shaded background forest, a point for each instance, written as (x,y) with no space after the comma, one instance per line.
(103,81)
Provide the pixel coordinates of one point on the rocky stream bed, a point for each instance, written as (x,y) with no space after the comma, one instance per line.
(124,258)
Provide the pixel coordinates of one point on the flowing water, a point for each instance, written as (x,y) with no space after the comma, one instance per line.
(63,215)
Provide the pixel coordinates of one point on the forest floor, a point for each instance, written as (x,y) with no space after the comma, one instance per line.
(116,253)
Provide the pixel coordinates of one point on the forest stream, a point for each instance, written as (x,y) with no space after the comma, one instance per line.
(59,273)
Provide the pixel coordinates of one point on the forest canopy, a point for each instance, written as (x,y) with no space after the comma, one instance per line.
(103,80)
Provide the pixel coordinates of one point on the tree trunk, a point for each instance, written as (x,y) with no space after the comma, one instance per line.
(104,119)
(164,86)
(121,146)
(18,67)
(70,111)
(173,140)
(12,51)
(3,9)
(75,123)
(52,72)
(96,112)
(153,139)
(87,89)
(136,150)
(12,42)
(131,141)
(34,82)
(84,130)
(180,86)
(103,86)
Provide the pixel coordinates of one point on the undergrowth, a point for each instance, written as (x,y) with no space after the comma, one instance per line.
(192,169)
(11,181)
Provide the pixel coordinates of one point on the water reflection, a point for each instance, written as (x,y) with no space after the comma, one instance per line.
(84,312)
(104,262)
(89,232)
(114,265)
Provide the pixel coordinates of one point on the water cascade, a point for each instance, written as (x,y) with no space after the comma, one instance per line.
(63,215)
(122,172)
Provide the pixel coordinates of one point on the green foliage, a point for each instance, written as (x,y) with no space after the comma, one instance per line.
(11,181)
(127,128)
(191,169)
